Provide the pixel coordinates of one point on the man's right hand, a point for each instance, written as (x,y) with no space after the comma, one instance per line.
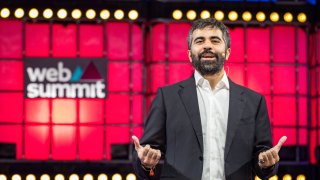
(149,157)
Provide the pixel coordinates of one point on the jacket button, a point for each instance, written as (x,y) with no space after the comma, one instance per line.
(200,158)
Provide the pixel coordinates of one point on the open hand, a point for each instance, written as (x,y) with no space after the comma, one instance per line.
(271,157)
(149,157)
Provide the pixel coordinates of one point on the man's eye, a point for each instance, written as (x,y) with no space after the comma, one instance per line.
(199,41)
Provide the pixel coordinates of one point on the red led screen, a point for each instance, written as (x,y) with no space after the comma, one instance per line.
(138,62)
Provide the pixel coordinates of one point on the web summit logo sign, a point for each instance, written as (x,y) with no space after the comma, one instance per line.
(64,78)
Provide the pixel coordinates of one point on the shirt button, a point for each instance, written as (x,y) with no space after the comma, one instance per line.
(200,158)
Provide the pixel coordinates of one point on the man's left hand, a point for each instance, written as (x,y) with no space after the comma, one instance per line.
(271,157)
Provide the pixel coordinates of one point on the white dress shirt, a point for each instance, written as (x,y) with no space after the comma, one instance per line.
(214,108)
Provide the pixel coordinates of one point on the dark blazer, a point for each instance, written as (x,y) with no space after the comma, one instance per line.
(174,127)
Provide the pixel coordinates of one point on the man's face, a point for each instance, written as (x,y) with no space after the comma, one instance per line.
(208,51)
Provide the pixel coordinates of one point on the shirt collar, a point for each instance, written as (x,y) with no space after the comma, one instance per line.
(224,83)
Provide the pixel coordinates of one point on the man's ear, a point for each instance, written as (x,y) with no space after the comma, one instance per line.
(189,55)
(228,52)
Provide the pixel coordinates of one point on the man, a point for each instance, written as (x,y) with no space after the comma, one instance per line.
(207,127)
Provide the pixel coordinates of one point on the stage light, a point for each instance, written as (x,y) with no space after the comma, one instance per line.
(274,177)
(74,177)
(119,14)
(302,17)
(131,177)
(133,14)
(177,14)
(219,15)
(287,177)
(256,178)
(105,14)
(260,16)
(31,177)
(301,177)
(76,14)
(3,177)
(102,177)
(205,14)
(90,14)
(191,15)
(47,13)
(88,177)
(16,177)
(45,177)
(233,16)
(19,13)
(116,177)
(246,16)
(62,13)
(33,13)
(59,177)
(274,17)
(5,12)
(288,17)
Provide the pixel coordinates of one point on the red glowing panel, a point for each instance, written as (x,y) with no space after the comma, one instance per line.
(37,40)
(314,112)
(91,143)
(158,42)
(137,42)
(11,107)
(118,76)
(64,111)
(12,134)
(64,40)
(36,110)
(313,146)
(177,45)
(137,83)
(289,132)
(283,43)
(258,44)
(281,86)
(117,135)
(12,75)
(91,40)
(158,76)
(118,44)
(237,45)
(137,131)
(284,110)
(137,107)
(91,111)
(11,39)
(318,40)
(302,45)
(37,142)
(313,81)
(259,78)
(235,72)
(302,80)
(179,72)
(303,137)
(64,142)
(117,108)
(303,111)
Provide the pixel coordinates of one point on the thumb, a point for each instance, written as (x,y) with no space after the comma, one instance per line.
(136,143)
(280,143)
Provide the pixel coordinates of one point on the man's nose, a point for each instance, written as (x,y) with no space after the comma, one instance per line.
(207,45)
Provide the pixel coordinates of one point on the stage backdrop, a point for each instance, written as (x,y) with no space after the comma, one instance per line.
(276,60)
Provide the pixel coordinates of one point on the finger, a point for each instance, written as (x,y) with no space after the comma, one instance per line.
(275,156)
(280,143)
(270,161)
(146,150)
(151,153)
(156,155)
(136,143)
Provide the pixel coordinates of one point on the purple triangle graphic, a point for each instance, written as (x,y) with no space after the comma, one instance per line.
(91,73)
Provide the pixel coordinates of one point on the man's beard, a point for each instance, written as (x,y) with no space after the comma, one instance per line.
(208,67)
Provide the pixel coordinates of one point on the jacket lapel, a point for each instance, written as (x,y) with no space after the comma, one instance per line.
(236,106)
(188,95)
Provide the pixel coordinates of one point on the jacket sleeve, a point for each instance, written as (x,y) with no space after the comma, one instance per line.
(263,140)
(154,135)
